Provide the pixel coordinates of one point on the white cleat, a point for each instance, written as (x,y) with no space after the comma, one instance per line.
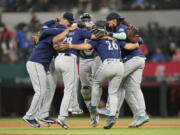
(62,124)
(139,121)
(94,119)
(42,123)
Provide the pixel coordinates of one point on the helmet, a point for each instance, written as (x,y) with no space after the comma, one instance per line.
(86,17)
(86,20)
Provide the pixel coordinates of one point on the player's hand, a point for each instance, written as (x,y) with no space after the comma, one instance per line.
(73,27)
(60,46)
(35,37)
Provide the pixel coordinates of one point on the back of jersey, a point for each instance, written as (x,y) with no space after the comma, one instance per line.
(87,54)
(106,48)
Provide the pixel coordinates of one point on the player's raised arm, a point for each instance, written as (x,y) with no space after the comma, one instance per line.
(61,36)
(131,46)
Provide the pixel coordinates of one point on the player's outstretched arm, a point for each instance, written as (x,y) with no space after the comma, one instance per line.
(119,36)
(108,38)
(61,36)
(83,46)
(131,46)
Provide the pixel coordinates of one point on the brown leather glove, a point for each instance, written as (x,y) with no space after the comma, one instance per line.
(60,46)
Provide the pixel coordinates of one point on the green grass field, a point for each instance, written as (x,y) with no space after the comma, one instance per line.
(80,126)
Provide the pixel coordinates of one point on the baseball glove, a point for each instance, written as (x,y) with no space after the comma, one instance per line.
(99,33)
(60,46)
(133,34)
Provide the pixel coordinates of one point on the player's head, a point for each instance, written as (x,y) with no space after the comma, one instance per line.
(101,24)
(67,19)
(86,17)
(86,20)
(113,19)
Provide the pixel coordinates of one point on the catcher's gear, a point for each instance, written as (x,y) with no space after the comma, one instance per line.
(99,33)
(81,24)
(85,17)
(60,46)
(132,34)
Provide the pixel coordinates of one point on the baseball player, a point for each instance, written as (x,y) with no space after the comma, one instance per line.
(65,63)
(89,62)
(109,52)
(134,62)
(38,69)
(42,74)
(43,118)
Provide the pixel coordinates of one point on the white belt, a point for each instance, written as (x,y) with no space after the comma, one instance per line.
(113,60)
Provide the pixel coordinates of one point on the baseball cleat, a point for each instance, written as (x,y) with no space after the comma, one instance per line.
(94,120)
(139,121)
(62,124)
(110,122)
(70,110)
(48,120)
(77,112)
(103,111)
(42,123)
(94,116)
(32,122)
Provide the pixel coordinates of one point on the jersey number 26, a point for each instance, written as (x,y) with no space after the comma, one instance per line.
(112,45)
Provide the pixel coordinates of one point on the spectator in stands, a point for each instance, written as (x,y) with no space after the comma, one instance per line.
(7,43)
(139,4)
(157,56)
(176,56)
(10,5)
(171,49)
(85,5)
(34,24)
(23,44)
(2,3)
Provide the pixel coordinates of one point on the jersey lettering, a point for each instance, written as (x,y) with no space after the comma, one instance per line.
(112,45)
(68,40)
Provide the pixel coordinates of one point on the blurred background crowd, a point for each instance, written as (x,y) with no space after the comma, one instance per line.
(16,44)
(91,5)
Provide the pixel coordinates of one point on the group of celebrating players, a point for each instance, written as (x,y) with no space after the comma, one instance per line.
(107,50)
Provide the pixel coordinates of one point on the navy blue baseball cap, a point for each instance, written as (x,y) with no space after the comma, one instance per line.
(113,16)
(69,17)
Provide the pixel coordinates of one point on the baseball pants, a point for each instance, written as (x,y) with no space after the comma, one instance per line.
(39,80)
(130,86)
(111,70)
(66,65)
(88,68)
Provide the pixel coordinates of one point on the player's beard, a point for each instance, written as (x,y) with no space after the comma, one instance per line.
(111,29)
